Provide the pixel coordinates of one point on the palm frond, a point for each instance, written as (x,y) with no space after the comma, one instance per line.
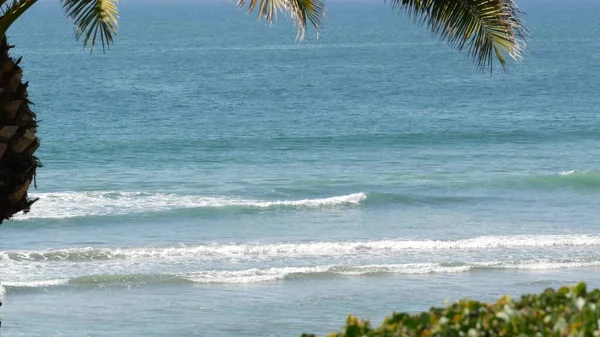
(93,19)
(2,3)
(11,11)
(489,29)
(301,12)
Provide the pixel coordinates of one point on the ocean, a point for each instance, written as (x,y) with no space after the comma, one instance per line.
(211,176)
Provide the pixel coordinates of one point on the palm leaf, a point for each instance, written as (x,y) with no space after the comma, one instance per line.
(489,29)
(93,19)
(301,11)
(11,11)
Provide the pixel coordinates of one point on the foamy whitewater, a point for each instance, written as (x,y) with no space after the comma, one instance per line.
(210,176)
(111,203)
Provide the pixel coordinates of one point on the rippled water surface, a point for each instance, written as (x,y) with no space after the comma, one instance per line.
(209,176)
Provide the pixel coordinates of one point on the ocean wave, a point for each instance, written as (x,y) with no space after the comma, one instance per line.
(63,205)
(289,273)
(258,275)
(79,204)
(36,284)
(433,137)
(98,280)
(303,249)
(573,179)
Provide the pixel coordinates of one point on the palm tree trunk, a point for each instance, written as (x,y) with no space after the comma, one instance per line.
(18,140)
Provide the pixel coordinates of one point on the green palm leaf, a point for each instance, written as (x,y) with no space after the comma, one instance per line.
(487,28)
(11,11)
(301,11)
(93,19)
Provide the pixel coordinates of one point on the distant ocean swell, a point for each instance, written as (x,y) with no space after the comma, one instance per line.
(433,137)
(256,275)
(303,249)
(63,205)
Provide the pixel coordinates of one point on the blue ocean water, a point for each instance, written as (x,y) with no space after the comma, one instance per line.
(210,176)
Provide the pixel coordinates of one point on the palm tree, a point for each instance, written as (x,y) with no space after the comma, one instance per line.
(489,29)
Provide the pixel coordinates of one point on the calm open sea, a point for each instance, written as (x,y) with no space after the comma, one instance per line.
(210,176)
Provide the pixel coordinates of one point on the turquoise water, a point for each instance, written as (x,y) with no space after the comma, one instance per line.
(209,176)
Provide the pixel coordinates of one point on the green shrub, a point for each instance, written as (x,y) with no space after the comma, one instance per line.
(566,312)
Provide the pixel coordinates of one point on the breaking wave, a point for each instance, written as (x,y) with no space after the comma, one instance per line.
(288,273)
(574,179)
(304,249)
(79,204)
(36,284)
(257,275)
(63,205)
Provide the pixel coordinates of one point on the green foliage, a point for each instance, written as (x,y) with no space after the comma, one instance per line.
(11,11)
(487,28)
(565,312)
(300,11)
(93,19)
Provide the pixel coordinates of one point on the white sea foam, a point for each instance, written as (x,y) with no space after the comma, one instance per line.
(567,173)
(583,173)
(258,275)
(279,274)
(79,204)
(36,284)
(541,265)
(305,249)
(251,275)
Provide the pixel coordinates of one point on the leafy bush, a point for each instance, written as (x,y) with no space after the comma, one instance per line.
(566,312)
